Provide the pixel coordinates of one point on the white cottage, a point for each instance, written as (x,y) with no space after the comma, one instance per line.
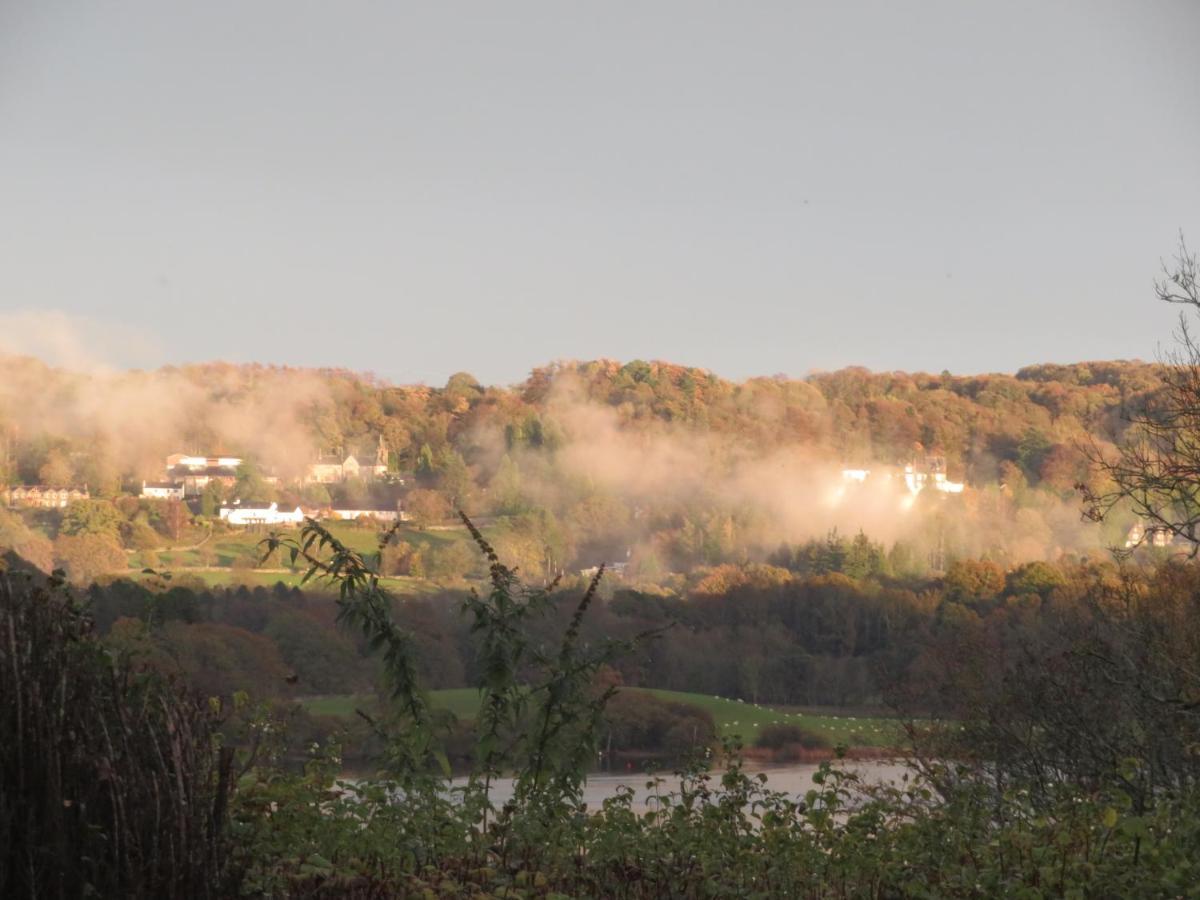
(244,514)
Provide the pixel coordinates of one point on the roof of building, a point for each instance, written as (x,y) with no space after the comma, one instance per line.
(44,488)
(210,471)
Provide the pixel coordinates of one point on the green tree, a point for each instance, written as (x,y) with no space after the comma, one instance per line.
(92,517)
(451,560)
(140,536)
(454,478)
(315,494)
(1035,578)
(505,489)
(864,558)
(323,660)
(830,554)
(1032,452)
(250,485)
(211,499)
(426,468)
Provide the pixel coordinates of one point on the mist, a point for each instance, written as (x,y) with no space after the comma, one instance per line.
(761,497)
(666,494)
(127,422)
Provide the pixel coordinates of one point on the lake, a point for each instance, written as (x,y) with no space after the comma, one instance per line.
(795,779)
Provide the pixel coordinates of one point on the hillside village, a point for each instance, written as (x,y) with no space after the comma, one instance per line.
(210,483)
(190,478)
(659,467)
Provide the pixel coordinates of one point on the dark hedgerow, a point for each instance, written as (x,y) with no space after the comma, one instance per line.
(112,782)
(782,735)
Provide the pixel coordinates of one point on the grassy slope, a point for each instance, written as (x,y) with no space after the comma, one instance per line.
(227,547)
(736,718)
(235,544)
(402,586)
(730,716)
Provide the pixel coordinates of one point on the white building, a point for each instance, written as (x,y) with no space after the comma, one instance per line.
(855,475)
(1142,535)
(162,490)
(199,463)
(383,515)
(917,481)
(260,514)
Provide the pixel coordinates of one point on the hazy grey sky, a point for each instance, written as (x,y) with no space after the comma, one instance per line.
(754,188)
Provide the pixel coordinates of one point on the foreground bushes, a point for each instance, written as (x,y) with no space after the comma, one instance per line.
(724,834)
(117,784)
(111,781)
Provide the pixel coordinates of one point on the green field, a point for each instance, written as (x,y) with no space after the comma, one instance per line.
(732,717)
(340,705)
(227,546)
(214,561)
(225,549)
(399,585)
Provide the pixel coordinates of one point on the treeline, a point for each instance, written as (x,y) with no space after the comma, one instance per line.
(757,632)
(977,421)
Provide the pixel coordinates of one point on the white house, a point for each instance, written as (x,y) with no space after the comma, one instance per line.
(260,514)
(162,490)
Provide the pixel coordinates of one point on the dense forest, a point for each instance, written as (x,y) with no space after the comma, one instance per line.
(760,633)
(660,467)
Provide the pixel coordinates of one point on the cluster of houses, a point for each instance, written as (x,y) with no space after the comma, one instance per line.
(192,474)
(188,476)
(40,496)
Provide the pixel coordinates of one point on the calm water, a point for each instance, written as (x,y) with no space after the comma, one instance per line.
(794,779)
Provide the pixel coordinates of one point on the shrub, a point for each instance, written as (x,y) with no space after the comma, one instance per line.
(109,783)
(640,722)
(88,556)
(783,735)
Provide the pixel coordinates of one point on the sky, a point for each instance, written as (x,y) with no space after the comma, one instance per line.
(752,188)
